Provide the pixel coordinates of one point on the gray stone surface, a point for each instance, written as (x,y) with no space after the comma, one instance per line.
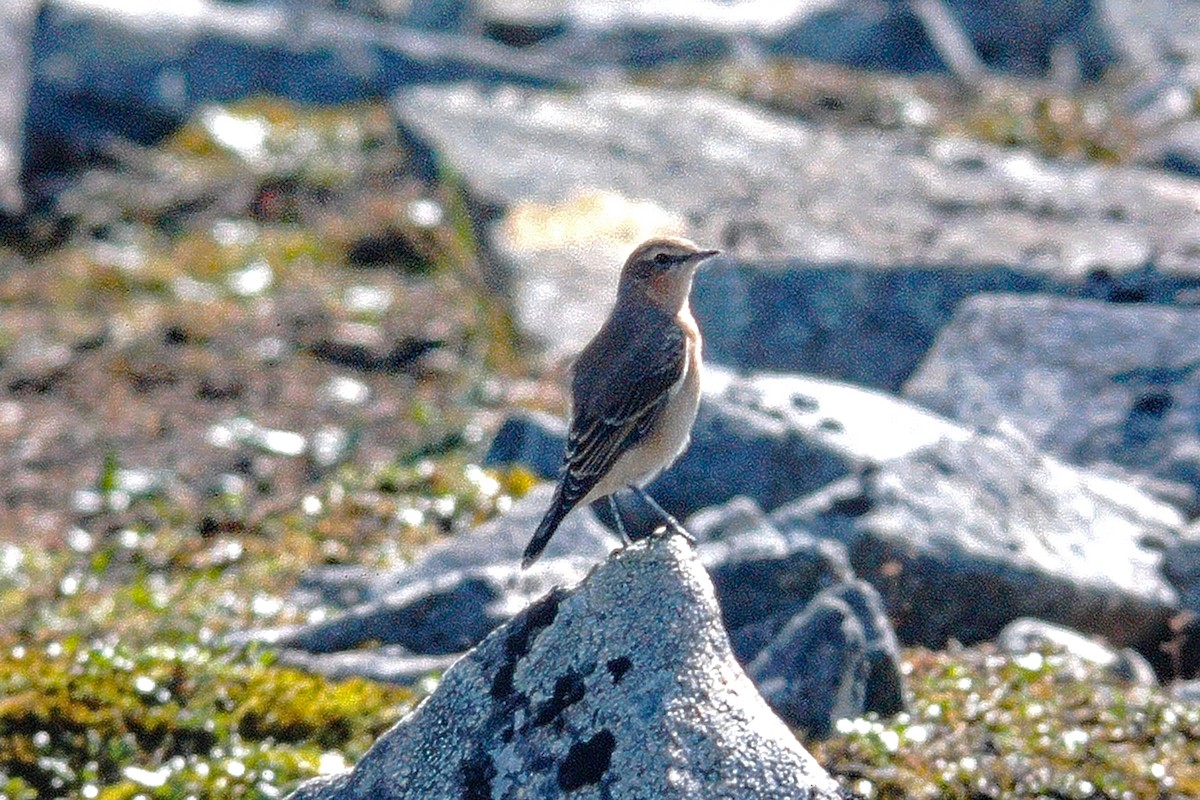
(1181,566)
(623,687)
(770,437)
(740,516)
(1090,382)
(16,28)
(449,598)
(580,541)
(963,537)
(762,580)
(435,616)
(847,250)
(1025,635)
(100,68)
(835,659)
(869,34)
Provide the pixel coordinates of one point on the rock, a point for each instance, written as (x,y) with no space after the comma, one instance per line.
(884,693)
(1181,566)
(437,616)
(388,664)
(738,517)
(623,687)
(143,68)
(449,598)
(1186,691)
(1176,149)
(1025,635)
(814,673)
(580,540)
(963,537)
(772,438)
(762,579)
(1024,39)
(16,27)
(532,439)
(1090,382)
(847,250)
(885,36)
(836,659)
(868,35)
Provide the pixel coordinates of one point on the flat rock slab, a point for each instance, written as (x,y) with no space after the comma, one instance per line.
(847,249)
(623,687)
(963,537)
(1090,382)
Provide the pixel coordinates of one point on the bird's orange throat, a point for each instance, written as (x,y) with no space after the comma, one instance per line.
(669,292)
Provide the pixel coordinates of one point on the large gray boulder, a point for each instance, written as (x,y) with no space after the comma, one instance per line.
(1090,382)
(963,537)
(847,250)
(622,687)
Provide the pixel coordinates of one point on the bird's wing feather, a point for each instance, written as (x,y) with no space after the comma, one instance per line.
(612,418)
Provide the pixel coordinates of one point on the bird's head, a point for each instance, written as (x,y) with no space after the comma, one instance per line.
(662,269)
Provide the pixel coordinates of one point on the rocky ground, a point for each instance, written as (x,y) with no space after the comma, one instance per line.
(278,392)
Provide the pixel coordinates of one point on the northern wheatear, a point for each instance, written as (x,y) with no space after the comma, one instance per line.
(636,387)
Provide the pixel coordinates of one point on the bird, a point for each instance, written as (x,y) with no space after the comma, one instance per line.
(635,388)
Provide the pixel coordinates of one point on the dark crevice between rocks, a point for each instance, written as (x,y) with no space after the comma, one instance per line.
(587,761)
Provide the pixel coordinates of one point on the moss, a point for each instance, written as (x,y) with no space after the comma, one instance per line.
(74,716)
(984,725)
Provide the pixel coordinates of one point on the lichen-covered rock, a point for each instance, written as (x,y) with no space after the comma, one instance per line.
(622,687)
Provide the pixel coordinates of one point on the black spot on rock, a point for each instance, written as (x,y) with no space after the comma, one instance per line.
(568,690)
(617,667)
(804,403)
(477,774)
(538,616)
(586,762)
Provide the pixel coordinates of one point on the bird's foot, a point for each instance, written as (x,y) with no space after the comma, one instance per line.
(673,527)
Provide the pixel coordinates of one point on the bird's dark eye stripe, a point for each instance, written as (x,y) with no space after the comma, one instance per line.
(662,258)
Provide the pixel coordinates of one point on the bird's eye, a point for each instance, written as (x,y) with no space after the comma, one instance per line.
(662,258)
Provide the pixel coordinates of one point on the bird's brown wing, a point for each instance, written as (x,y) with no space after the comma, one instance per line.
(622,383)
(620,402)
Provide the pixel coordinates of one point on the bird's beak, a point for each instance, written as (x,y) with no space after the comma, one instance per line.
(705,254)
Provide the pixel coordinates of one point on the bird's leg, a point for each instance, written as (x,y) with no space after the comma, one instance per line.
(616,512)
(672,523)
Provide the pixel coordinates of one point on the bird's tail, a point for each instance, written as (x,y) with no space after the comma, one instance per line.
(545,529)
